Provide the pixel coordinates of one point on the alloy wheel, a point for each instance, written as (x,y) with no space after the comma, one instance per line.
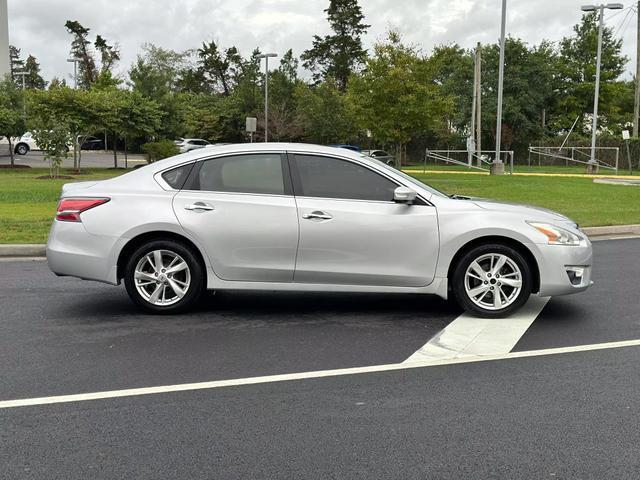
(162,277)
(493,281)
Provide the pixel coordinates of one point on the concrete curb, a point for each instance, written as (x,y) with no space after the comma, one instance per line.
(38,250)
(26,250)
(612,230)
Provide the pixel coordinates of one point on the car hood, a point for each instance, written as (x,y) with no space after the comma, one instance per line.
(533,212)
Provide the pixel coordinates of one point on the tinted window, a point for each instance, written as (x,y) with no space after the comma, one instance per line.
(332,178)
(177,176)
(258,173)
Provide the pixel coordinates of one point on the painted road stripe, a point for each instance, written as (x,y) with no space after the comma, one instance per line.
(473,336)
(307,375)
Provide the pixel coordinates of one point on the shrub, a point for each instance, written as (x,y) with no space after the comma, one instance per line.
(158,150)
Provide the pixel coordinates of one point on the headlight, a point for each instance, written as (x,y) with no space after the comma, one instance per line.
(556,235)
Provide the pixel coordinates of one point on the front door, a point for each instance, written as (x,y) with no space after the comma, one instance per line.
(353,233)
(241,208)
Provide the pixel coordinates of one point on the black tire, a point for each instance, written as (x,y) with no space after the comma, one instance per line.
(458,281)
(22,149)
(196,271)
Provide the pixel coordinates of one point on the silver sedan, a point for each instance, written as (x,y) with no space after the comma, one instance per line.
(273,216)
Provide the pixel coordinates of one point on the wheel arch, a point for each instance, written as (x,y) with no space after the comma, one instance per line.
(146,237)
(510,242)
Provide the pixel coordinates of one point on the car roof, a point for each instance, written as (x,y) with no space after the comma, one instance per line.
(254,147)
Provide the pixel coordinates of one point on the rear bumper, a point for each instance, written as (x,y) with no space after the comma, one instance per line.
(72,251)
(555,260)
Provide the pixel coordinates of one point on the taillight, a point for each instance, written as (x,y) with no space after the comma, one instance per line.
(69,209)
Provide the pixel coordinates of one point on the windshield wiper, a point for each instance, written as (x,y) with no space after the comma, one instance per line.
(455,196)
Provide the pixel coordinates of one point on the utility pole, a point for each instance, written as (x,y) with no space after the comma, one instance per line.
(478,89)
(5,67)
(592,164)
(266,57)
(636,103)
(471,138)
(75,61)
(497,167)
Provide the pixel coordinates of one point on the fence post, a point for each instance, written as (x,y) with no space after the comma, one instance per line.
(617,155)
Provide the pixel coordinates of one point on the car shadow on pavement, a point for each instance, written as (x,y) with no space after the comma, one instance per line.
(280,307)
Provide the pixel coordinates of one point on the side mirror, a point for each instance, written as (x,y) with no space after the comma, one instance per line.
(404,195)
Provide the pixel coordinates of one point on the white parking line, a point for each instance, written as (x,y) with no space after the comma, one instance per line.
(306,375)
(473,336)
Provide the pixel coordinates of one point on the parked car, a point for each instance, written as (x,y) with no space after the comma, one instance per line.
(278,216)
(353,148)
(189,144)
(381,155)
(91,143)
(25,144)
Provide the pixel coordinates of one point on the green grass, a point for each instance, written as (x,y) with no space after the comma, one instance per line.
(588,203)
(27,204)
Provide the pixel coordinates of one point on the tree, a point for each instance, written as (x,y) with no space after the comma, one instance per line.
(530,86)
(83,50)
(16,64)
(453,73)
(577,70)
(396,96)
(12,122)
(33,80)
(339,54)
(219,67)
(324,113)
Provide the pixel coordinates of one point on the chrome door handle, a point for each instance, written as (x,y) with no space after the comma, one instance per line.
(199,206)
(317,214)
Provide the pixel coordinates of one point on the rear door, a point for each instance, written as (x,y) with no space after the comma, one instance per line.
(351,230)
(241,208)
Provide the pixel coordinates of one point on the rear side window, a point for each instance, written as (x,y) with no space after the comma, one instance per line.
(177,176)
(251,173)
(328,177)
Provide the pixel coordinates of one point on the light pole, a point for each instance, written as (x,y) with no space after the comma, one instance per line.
(75,70)
(266,57)
(497,167)
(592,165)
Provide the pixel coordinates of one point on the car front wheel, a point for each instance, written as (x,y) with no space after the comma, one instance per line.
(164,276)
(22,149)
(492,280)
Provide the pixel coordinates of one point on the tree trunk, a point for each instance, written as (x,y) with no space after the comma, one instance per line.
(115,154)
(126,159)
(13,164)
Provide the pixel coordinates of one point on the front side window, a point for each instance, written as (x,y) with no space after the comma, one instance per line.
(328,177)
(252,173)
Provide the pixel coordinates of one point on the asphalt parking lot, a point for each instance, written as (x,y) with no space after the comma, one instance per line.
(573,414)
(90,159)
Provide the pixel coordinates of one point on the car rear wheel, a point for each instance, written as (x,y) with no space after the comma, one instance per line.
(164,276)
(22,149)
(492,280)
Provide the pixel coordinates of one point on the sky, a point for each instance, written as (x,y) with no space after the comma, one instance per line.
(37,26)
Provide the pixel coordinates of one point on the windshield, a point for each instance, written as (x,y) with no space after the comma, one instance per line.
(409,178)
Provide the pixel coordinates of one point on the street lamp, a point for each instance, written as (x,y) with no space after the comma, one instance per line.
(497,167)
(266,57)
(75,70)
(592,165)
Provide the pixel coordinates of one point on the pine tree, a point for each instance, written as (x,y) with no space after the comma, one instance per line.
(341,53)
(33,79)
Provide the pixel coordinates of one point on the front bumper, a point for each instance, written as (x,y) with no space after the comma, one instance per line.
(554,261)
(72,251)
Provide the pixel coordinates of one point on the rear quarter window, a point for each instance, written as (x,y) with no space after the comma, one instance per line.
(177,176)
